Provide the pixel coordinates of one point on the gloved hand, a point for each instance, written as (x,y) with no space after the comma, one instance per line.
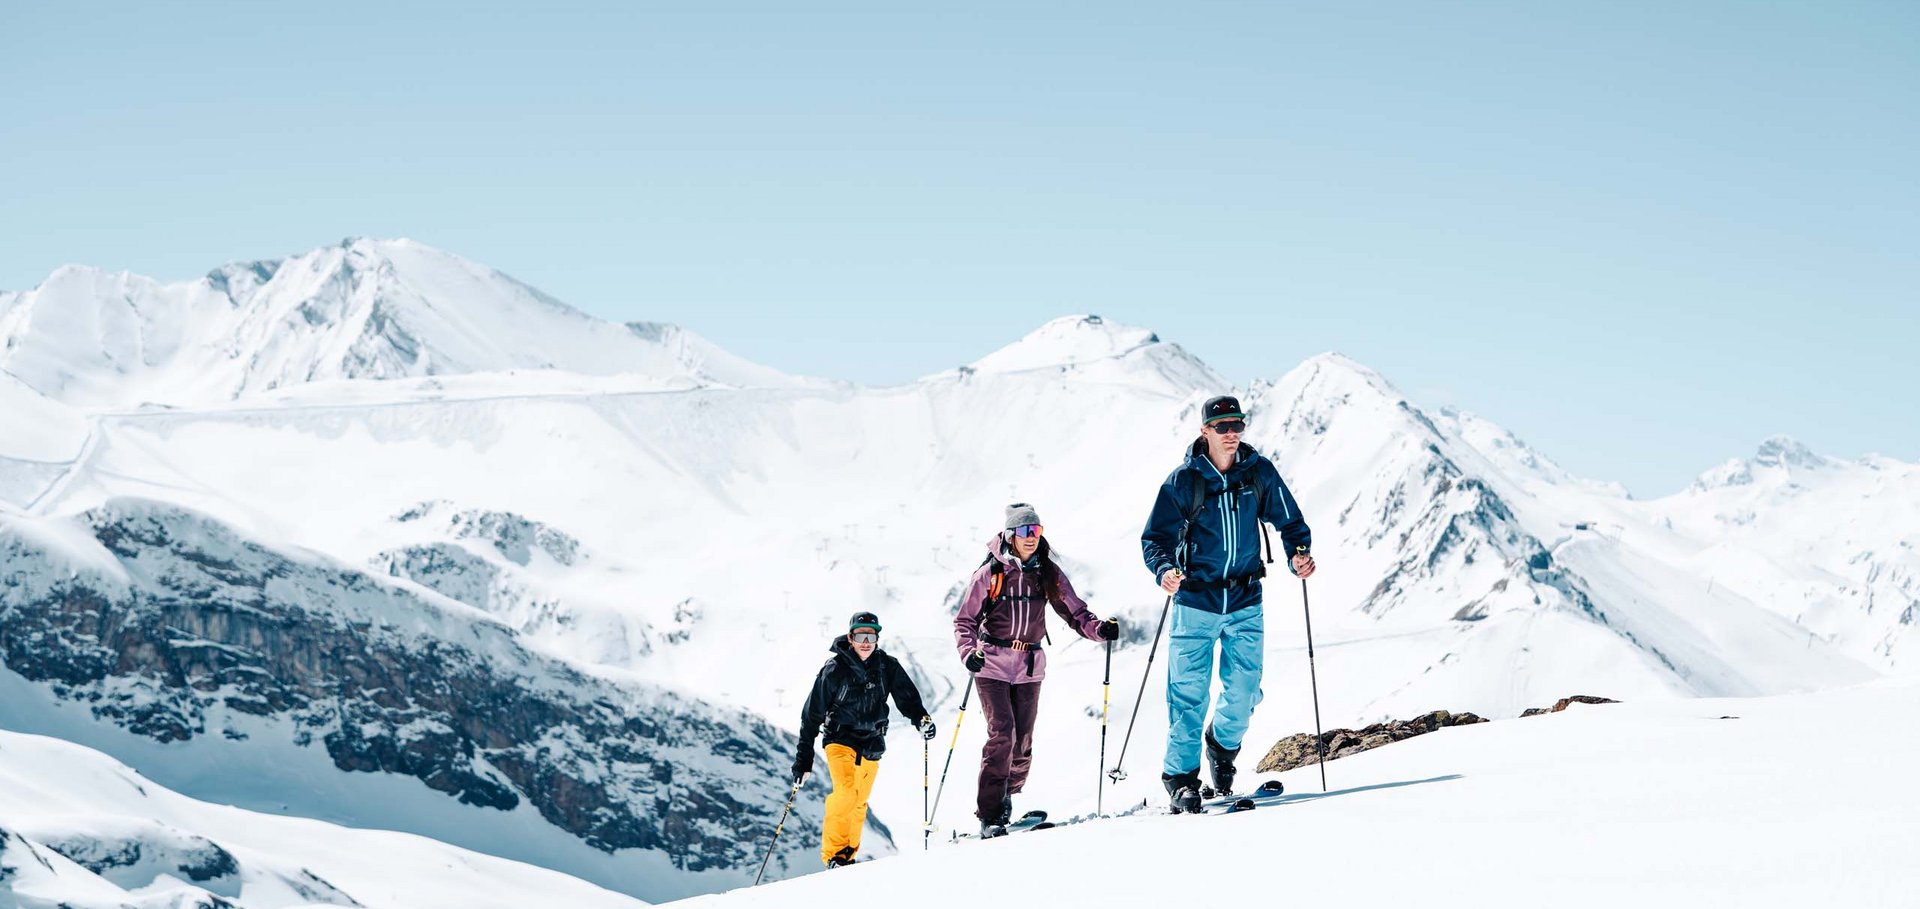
(975,660)
(1110,630)
(800,779)
(926,727)
(803,764)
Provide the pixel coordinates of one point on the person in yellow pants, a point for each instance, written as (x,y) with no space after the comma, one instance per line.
(849,700)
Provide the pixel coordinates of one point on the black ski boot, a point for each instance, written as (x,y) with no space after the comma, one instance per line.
(1220,761)
(991,827)
(1184,790)
(841,858)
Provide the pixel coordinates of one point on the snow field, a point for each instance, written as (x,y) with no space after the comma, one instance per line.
(1660,803)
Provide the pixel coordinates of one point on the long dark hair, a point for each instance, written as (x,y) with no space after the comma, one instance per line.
(1049,569)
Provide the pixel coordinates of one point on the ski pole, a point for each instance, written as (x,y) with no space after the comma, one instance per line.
(926,814)
(1106,684)
(1116,774)
(1314,674)
(950,746)
(777,827)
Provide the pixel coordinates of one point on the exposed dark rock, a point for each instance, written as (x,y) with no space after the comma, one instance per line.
(1565,702)
(197,858)
(209,864)
(515,537)
(386,681)
(1301,750)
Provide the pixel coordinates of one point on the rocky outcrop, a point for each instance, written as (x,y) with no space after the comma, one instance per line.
(174,627)
(514,536)
(1566,702)
(1301,749)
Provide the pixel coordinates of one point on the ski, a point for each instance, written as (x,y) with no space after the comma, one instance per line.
(1032,820)
(1268,793)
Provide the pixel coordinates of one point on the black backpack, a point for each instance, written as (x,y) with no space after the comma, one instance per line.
(1196,486)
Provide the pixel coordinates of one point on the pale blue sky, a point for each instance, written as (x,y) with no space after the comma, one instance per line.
(1642,236)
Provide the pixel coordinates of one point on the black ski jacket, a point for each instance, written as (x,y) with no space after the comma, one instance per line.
(850,700)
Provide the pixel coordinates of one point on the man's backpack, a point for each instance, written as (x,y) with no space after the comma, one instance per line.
(1196,488)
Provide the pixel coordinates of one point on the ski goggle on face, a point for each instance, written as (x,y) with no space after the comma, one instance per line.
(865,637)
(1228,426)
(1028,530)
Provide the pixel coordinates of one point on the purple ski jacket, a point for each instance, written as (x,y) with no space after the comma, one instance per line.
(1021,615)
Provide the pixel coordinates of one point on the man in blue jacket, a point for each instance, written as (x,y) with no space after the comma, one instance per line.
(1202,543)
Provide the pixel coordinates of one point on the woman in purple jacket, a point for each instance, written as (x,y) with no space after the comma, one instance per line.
(999,632)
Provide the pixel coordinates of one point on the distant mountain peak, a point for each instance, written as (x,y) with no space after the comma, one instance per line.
(1787,452)
(1067,341)
(1776,455)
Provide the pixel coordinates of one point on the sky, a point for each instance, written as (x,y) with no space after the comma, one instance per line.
(1643,236)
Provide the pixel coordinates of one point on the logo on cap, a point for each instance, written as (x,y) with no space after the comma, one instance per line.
(1224,407)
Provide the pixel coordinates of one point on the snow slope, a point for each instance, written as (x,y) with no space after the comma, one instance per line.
(39,439)
(82,830)
(1709,802)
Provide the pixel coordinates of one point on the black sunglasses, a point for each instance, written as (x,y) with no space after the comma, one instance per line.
(1226,426)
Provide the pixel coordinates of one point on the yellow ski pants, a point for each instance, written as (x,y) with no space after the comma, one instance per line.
(847,803)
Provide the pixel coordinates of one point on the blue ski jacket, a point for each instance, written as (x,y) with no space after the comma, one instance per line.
(1219,548)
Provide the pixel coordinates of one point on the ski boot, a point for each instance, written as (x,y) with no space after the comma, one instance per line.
(1220,761)
(996,825)
(1184,790)
(843,857)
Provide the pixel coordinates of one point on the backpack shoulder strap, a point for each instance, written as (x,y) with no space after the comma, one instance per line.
(995,586)
(1196,486)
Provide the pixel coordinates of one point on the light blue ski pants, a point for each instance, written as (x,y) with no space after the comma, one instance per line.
(1239,637)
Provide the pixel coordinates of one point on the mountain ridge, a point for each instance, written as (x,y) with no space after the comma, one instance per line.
(362,309)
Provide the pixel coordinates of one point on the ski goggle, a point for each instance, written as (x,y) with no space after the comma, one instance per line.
(1027,530)
(1226,426)
(865,637)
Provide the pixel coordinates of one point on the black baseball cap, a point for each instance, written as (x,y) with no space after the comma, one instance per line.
(863,620)
(1222,407)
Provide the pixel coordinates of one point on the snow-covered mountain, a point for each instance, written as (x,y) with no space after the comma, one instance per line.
(270,679)
(1832,544)
(80,830)
(365,309)
(704,538)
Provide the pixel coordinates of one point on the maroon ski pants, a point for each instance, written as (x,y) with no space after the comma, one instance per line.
(1009,751)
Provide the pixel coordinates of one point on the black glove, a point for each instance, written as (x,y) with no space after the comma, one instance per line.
(1110,630)
(802,765)
(975,660)
(926,727)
